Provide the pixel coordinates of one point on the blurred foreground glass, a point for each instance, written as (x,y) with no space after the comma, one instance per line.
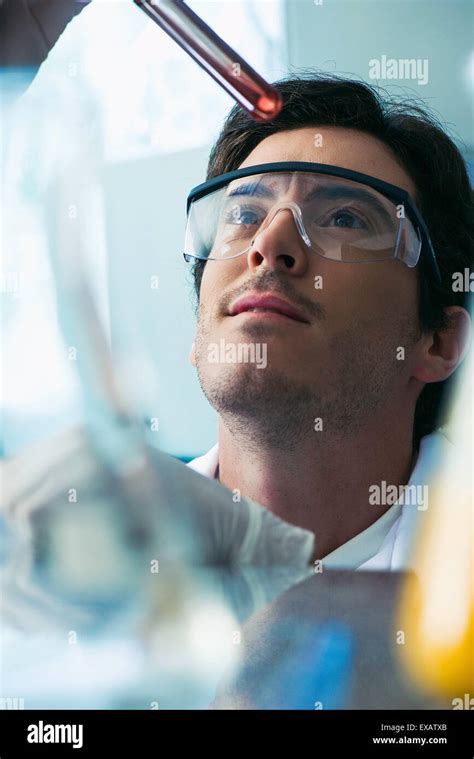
(98,547)
(437,614)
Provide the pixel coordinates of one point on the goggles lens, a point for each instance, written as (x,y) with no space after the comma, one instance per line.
(337,218)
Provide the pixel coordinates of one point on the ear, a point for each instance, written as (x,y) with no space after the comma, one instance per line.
(443,350)
(192,354)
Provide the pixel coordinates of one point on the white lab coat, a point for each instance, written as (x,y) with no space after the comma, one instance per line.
(387,543)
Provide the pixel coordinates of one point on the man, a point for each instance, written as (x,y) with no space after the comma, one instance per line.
(352,308)
(303,436)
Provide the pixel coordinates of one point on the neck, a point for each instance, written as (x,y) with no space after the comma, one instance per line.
(322,483)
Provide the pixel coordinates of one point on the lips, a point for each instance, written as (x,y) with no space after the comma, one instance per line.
(270,303)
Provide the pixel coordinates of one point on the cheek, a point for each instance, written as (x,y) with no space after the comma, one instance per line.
(206,285)
(381,291)
(396,293)
(217,278)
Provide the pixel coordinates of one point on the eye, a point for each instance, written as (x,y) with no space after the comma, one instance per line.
(342,218)
(242,215)
(346,219)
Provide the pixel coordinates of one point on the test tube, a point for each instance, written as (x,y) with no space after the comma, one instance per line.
(227,68)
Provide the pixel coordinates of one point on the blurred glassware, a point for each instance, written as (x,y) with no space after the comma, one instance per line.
(437,613)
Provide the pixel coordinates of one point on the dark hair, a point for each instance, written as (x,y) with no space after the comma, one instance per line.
(423,149)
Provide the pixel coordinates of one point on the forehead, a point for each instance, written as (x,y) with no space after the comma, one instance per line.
(336,146)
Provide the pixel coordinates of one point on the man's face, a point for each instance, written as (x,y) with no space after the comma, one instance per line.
(341,363)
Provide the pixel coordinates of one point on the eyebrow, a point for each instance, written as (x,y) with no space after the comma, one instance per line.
(255,189)
(336,192)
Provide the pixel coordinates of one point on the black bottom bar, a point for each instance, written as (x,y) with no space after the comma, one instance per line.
(430,733)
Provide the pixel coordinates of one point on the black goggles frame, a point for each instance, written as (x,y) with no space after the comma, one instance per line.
(391,191)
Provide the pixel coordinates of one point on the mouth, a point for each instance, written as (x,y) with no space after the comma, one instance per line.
(267,306)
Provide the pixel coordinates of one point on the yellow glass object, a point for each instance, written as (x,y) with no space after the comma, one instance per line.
(437,613)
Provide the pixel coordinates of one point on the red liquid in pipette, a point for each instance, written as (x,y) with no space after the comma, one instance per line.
(226,67)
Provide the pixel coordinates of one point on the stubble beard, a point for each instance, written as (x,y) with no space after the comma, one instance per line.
(268,407)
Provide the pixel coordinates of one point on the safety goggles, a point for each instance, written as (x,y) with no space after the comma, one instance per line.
(341,215)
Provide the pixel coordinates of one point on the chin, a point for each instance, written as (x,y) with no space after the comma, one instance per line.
(246,391)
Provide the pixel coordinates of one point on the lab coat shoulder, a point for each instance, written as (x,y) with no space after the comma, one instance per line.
(396,552)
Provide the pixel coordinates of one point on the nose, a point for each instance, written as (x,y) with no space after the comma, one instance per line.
(279,244)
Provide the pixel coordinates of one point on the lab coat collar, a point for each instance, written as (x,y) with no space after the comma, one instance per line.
(208,464)
(396,552)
